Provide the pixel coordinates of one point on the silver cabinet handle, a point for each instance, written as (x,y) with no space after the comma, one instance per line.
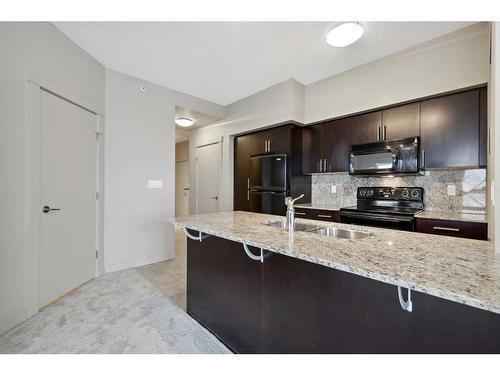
(268,145)
(300,213)
(423,158)
(325,167)
(384,133)
(320,164)
(447,229)
(325,216)
(378,133)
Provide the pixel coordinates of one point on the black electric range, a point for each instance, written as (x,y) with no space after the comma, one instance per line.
(387,207)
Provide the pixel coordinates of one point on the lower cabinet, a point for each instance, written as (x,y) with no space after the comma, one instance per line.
(314,214)
(224,289)
(287,305)
(464,229)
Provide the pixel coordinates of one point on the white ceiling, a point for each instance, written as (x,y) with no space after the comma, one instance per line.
(226,61)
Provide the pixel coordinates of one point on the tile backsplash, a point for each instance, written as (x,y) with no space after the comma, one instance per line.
(470,186)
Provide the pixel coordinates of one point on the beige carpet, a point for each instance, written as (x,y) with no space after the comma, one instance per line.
(120,312)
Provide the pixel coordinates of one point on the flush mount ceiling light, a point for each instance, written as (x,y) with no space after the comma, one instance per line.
(344,34)
(184,122)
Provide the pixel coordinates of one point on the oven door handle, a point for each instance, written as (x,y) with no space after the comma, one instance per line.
(392,219)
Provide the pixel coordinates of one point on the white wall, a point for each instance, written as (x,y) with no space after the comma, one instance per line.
(494,122)
(140,145)
(277,104)
(24,47)
(456,60)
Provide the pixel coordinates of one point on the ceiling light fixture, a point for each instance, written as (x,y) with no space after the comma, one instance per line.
(184,122)
(344,34)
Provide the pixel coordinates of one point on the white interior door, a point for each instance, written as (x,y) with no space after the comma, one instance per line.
(208,178)
(181,188)
(68,174)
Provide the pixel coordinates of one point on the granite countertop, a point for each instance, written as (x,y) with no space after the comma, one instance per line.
(470,216)
(462,270)
(453,215)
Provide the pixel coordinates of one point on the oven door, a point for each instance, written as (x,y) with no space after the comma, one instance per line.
(377,161)
(377,220)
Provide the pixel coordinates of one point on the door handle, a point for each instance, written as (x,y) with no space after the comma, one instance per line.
(216,198)
(47,209)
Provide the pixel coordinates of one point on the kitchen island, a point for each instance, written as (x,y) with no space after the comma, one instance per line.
(261,290)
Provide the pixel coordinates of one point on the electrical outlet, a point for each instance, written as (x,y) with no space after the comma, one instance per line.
(334,189)
(452,190)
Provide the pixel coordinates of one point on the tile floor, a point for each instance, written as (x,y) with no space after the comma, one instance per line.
(170,276)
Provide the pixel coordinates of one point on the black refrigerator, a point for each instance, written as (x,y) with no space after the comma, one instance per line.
(269,184)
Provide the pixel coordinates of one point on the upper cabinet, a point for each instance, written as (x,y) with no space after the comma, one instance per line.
(312,148)
(244,147)
(450,130)
(365,128)
(453,130)
(338,138)
(400,122)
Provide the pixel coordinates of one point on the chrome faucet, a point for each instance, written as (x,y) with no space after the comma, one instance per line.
(290,212)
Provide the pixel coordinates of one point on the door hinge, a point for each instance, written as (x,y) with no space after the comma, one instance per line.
(96,254)
(97,135)
(96,195)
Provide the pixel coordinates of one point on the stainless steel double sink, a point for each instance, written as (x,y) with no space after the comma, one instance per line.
(324,231)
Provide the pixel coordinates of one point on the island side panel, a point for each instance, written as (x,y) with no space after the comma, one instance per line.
(224,292)
(309,308)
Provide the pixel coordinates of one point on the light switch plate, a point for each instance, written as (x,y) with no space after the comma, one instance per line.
(334,189)
(155,184)
(451,190)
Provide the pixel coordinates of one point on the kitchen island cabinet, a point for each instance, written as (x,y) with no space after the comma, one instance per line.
(313,294)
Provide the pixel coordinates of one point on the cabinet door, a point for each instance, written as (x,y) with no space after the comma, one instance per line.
(244,147)
(337,140)
(366,128)
(241,200)
(279,139)
(312,148)
(224,292)
(401,122)
(450,130)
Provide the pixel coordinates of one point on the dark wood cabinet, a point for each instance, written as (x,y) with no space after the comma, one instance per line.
(224,292)
(308,308)
(244,147)
(288,305)
(401,122)
(450,130)
(286,139)
(464,229)
(315,214)
(337,139)
(366,128)
(241,200)
(453,130)
(312,148)
(279,139)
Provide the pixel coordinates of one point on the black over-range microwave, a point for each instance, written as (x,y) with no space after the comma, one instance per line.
(400,157)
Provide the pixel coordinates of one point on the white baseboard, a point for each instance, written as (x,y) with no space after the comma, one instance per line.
(137,262)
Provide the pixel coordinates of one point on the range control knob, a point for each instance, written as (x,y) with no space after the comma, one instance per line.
(370,192)
(415,193)
(362,192)
(405,193)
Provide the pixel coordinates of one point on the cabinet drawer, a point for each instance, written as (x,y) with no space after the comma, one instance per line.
(303,213)
(326,215)
(464,229)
